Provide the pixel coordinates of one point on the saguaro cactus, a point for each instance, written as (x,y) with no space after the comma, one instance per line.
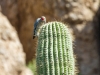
(55,51)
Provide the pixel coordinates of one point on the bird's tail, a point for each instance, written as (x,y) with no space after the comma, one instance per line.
(33,36)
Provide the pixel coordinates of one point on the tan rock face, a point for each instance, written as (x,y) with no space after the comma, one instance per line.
(9,9)
(12,57)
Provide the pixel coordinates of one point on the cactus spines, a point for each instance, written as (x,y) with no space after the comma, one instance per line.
(55,51)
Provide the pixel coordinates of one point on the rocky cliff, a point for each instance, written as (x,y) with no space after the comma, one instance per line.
(12,57)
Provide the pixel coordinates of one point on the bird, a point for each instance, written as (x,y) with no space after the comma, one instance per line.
(38,23)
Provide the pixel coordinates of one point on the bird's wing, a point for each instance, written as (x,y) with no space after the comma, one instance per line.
(36,22)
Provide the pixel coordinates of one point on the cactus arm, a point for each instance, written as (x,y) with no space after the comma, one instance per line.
(55,51)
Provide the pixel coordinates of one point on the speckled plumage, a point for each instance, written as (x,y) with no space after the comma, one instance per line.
(37,25)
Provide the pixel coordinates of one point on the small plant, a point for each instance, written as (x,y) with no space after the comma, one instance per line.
(55,50)
(32,66)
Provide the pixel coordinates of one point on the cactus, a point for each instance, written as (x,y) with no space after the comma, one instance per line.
(55,51)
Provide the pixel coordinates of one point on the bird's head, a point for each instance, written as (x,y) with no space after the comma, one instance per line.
(43,19)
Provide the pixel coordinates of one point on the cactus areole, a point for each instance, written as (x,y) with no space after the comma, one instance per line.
(54,50)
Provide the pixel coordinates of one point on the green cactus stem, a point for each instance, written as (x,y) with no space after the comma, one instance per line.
(55,52)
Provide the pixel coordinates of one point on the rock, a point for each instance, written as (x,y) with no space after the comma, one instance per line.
(10,9)
(12,57)
(26,71)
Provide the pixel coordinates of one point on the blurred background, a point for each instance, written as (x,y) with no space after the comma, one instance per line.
(17,48)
